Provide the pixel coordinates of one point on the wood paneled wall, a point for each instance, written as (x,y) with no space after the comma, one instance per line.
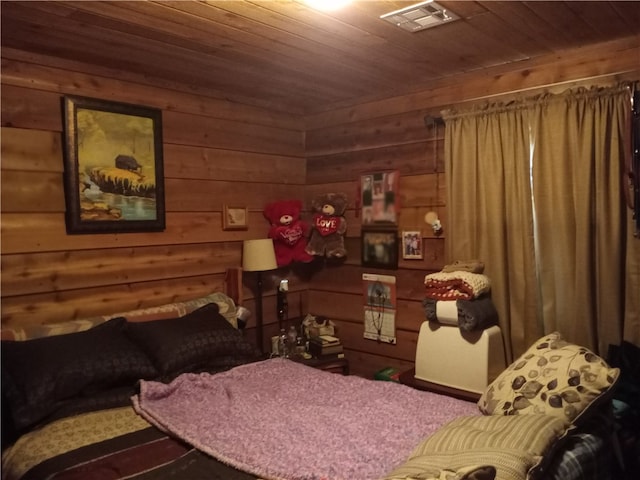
(215,153)
(393,134)
(218,152)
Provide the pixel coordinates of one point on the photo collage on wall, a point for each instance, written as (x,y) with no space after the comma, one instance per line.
(379,198)
(379,236)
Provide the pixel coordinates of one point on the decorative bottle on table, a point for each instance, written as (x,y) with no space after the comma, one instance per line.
(282,344)
(291,340)
(282,304)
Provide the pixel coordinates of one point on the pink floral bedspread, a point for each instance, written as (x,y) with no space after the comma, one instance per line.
(282,420)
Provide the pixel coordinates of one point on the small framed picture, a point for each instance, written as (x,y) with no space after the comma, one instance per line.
(235,218)
(379,248)
(412,245)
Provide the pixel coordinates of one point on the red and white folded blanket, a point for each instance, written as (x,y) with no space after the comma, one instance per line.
(456,285)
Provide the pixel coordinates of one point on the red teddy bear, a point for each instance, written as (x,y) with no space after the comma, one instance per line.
(288,231)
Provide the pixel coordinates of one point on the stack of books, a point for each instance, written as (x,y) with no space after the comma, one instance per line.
(323,345)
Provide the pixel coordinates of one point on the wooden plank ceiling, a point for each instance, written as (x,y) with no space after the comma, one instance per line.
(285,56)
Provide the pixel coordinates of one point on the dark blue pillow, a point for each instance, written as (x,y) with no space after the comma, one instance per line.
(40,375)
(202,340)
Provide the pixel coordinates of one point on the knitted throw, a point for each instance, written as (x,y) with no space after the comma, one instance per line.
(282,420)
(456,285)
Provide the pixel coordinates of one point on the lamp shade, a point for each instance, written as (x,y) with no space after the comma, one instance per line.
(258,255)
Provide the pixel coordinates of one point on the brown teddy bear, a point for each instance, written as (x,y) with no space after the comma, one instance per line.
(328,226)
(288,231)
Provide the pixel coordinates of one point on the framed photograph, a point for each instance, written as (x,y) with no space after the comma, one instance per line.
(113,167)
(379,197)
(235,218)
(379,248)
(412,245)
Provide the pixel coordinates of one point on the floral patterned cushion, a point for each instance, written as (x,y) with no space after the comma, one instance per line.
(553,377)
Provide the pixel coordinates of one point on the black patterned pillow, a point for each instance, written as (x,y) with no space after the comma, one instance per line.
(202,340)
(39,376)
(553,377)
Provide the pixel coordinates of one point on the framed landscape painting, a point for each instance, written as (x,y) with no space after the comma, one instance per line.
(113,167)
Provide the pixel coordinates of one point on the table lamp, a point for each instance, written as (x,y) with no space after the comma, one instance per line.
(258,256)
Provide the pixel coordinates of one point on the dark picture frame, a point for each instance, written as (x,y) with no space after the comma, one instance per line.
(113,167)
(379,248)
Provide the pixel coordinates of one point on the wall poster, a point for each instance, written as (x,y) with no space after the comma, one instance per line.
(379,197)
(379,307)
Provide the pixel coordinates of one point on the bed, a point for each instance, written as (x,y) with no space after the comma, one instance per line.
(177,392)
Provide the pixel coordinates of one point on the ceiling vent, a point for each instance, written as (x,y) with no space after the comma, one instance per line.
(420,16)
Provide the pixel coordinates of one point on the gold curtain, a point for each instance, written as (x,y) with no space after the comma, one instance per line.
(489,209)
(550,165)
(580,213)
(632,286)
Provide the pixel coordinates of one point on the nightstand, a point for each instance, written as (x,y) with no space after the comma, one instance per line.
(330,364)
